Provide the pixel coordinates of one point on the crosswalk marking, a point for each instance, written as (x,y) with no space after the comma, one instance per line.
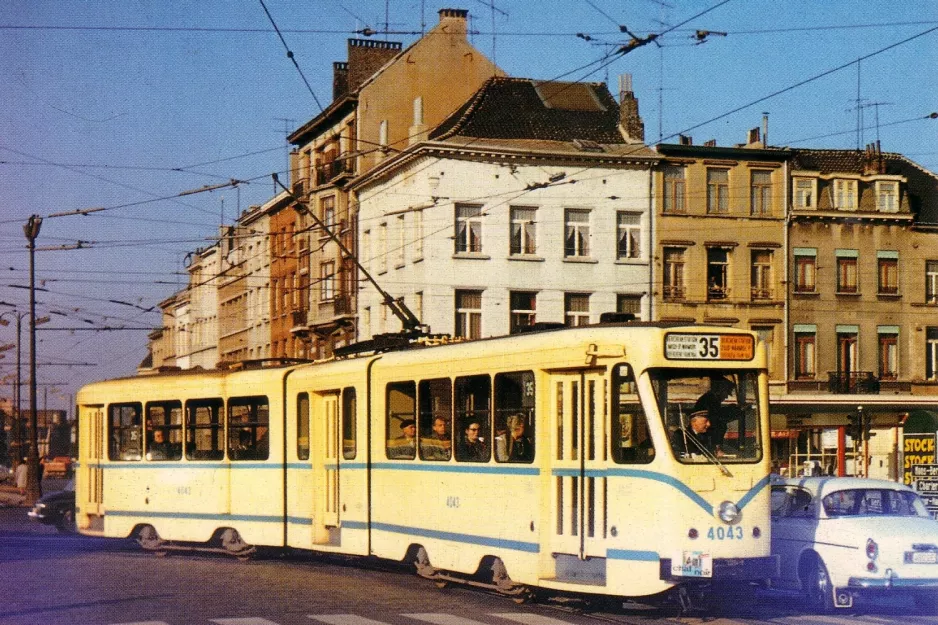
(438,618)
(530,619)
(243,621)
(344,619)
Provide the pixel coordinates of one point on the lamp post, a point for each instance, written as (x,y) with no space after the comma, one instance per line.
(33,487)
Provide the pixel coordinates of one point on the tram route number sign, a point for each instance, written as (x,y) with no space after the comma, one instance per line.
(925,482)
(692,564)
(698,346)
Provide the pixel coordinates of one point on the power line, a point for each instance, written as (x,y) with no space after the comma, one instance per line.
(290,55)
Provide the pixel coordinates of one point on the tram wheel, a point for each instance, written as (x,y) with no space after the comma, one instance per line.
(149,539)
(232,542)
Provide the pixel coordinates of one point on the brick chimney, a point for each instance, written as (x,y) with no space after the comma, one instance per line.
(339,80)
(365,57)
(629,120)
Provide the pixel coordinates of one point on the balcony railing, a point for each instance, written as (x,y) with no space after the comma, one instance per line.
(673,293)
(761,294)
(717,293)
(328,172)
(852,382)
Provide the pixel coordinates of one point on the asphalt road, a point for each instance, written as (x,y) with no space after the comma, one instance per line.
(53,579)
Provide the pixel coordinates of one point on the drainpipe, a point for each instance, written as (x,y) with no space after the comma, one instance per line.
(652,250)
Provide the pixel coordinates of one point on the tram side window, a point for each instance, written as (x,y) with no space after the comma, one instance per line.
(631,438)
(204,430)
(436,419)
(248,428)
(302,426)
(401,423)
(125,435)
(349,420)
(514,417)
(164,430)
(472,400)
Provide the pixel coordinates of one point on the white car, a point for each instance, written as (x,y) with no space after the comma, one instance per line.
(839,537)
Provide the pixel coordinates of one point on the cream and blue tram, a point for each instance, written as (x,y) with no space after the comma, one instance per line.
(540,460)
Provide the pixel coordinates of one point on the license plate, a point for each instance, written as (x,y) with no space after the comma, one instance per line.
(692,564)
(921,557)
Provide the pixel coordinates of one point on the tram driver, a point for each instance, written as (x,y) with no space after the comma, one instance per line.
(693,439)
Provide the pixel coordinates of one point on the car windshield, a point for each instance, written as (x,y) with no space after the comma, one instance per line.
(873,502)
(711,416)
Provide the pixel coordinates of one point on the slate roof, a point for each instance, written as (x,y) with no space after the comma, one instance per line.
(522,108)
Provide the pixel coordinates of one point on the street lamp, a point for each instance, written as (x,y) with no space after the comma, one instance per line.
(33,487)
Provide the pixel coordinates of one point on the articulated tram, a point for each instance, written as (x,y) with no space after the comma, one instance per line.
(543,460)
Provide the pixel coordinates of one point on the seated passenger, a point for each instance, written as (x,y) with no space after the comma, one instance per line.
(404,446)
(158,449)
(437,446)
(514,445)
(472,446)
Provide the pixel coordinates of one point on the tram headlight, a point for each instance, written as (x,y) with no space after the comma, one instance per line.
(728,512)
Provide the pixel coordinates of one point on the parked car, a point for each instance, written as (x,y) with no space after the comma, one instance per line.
(838,538)
(56,509)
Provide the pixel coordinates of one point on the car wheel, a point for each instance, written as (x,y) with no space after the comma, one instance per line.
(818,588)
(66,523)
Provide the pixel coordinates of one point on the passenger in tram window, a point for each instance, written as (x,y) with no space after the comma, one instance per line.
(404,446)
(436,446)
(244,448)
(158,448)
(472,447)
(719,414)
(693,439)
(514,445)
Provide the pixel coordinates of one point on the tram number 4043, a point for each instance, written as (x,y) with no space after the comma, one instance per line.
(725,533)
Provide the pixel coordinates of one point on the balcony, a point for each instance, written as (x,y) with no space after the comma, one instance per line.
(673,293)
(298,318)
(761,294)
(852,382)
(717,293)
(332,170)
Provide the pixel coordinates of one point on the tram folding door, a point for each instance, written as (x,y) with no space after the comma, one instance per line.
(326,467)
(91,495)
(578,459)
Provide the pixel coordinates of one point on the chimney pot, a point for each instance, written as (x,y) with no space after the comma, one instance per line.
(456,13)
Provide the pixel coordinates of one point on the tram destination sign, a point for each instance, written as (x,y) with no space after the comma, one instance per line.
(701,346)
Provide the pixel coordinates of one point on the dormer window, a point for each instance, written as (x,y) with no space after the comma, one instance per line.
(804,193)
(845,195)
(887,196)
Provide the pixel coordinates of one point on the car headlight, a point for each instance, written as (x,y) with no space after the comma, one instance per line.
(728,512)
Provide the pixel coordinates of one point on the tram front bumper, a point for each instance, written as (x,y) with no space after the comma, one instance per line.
(727,570)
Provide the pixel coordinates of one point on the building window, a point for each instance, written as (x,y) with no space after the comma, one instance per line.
(931,281)
(327,281)
(629,304)
(328,213)
(761,278)
(674,189)
(382,248)
(847,271)
(468,229)
(718,191)
(806,355)
(845,195)
(469,314)
(804,193)
(523,230)
(761,192)
(931,353)
(847,357)
(805,270)
(576,233)
(888,273)
(629,235)
(401,242)
(576,309)
(887,196)
(418,235)
(888,355)
(717,273)
(523,310)
(673,287)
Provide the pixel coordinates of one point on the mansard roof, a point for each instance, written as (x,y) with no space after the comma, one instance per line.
(523,108)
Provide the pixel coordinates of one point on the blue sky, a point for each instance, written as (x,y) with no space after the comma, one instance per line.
(124,105)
